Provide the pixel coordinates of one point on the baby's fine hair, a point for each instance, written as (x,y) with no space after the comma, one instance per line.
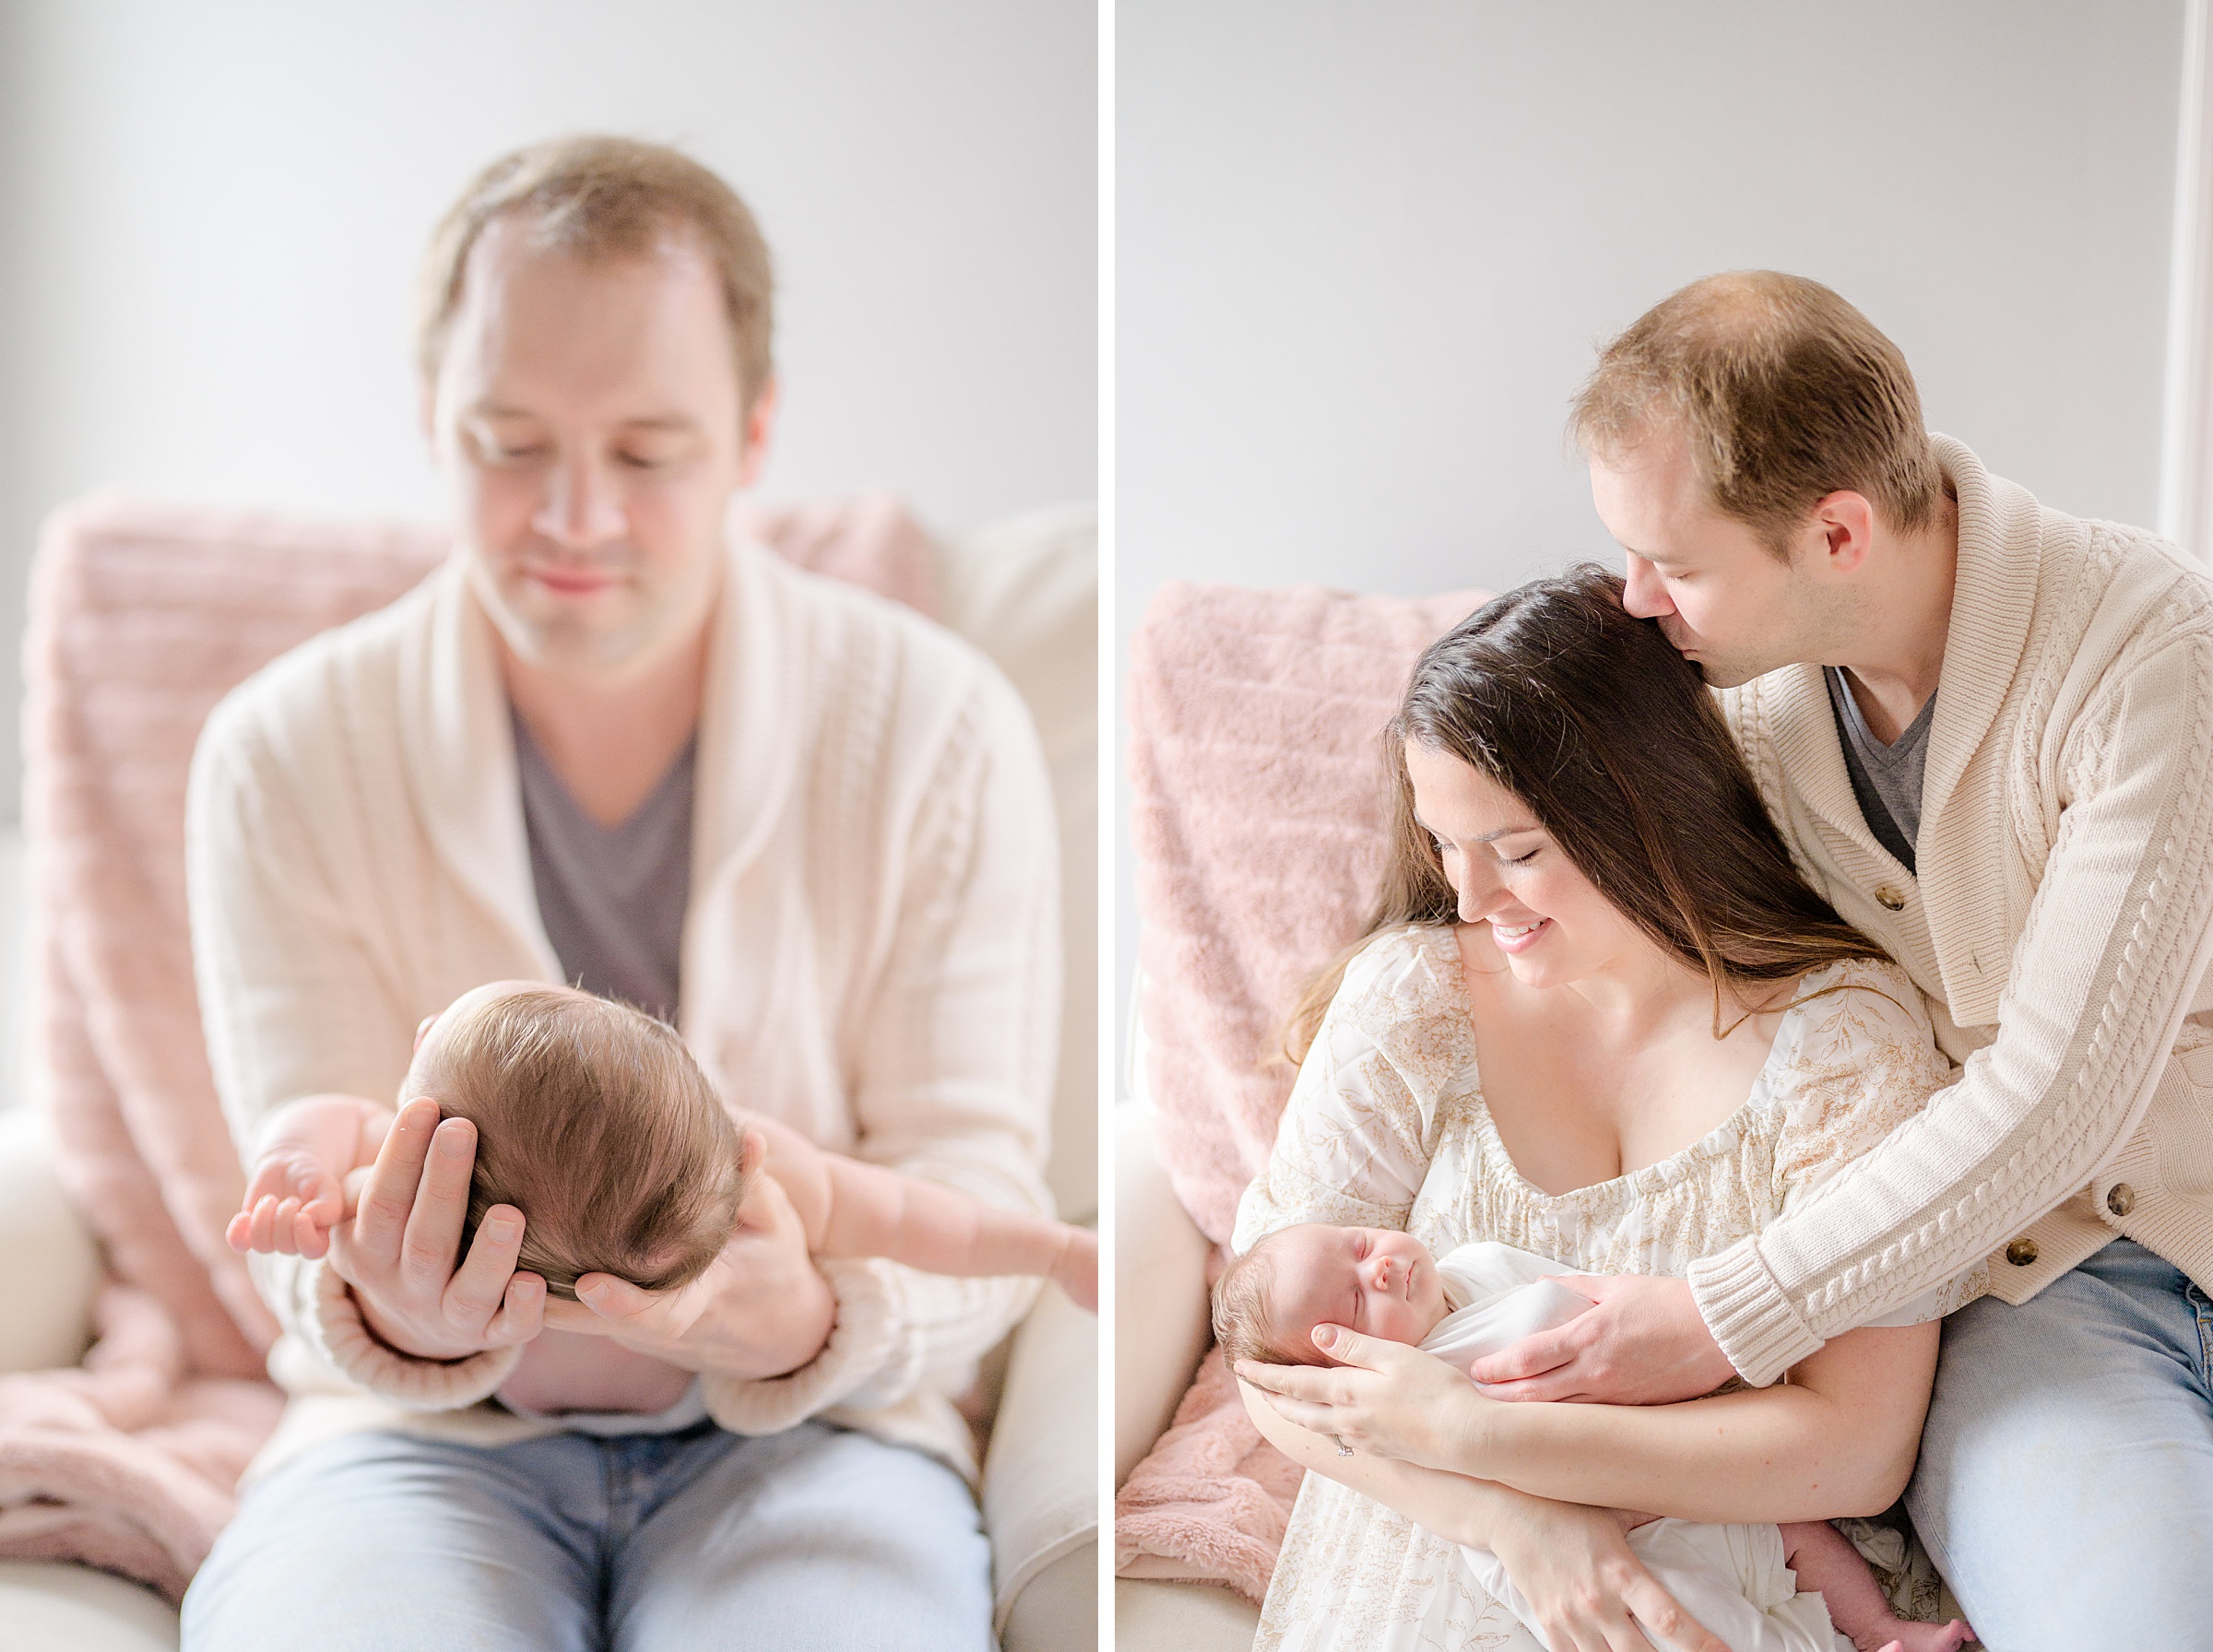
(594,1120)
(1244,1319)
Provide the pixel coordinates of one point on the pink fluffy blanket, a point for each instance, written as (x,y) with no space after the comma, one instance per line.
(1258,815)
(142,616)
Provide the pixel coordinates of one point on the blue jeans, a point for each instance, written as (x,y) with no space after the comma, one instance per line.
(2065,1482)
(818,1536)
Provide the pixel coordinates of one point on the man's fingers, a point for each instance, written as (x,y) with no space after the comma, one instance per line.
(434,1232)
(389,1196)
(562,1315)
(522,1312)
(615,1300)
(1533,1356)
(479,1287)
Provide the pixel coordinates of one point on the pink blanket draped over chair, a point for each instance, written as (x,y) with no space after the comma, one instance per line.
(142,616)
(1258,822)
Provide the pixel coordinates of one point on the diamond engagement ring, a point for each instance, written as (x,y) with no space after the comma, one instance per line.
(1342,1449)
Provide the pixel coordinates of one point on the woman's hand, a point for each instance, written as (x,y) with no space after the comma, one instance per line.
(1384,1397)
(397,1251)
(1587,1591)
(761,1309)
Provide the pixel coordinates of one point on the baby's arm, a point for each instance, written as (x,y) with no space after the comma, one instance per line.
(297,1192)
(851,1209)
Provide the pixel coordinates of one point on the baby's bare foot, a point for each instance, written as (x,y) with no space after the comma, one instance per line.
(1902,1636)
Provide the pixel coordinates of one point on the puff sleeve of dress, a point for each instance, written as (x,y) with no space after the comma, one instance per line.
(1358,1133)
(1864,1068)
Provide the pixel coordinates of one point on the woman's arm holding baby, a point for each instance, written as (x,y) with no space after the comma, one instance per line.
(1573,1564)
(1837,1438)
(850,1207)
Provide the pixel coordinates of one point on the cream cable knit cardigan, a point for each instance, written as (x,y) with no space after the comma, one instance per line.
(2060,926)
(870,953)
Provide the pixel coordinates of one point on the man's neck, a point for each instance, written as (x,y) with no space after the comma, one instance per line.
(610,740)
(1896,653)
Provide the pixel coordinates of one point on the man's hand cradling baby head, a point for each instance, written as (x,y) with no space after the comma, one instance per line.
(594,1120)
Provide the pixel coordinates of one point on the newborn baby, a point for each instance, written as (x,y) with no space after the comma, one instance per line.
(594,1120)
(1480,1298)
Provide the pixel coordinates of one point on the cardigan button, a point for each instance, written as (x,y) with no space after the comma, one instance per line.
(2021,1252)
(1890,897)
(2122,1199)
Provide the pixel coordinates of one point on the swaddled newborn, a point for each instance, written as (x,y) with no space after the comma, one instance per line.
(1478,1299)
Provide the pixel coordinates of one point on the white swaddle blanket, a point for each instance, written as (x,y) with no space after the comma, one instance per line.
(1731,1578)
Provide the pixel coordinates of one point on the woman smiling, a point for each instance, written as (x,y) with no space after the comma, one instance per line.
(1597,1016)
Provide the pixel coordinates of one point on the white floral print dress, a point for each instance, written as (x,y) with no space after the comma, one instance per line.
(1387,1127)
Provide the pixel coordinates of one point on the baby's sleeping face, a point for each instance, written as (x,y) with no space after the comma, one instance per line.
(1379,1282)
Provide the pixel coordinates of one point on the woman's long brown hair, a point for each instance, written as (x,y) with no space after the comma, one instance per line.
(1588,716)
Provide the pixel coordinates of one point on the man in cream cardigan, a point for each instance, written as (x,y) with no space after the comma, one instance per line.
(1986,730)
(604,744)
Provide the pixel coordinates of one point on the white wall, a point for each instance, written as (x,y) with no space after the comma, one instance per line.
(1365,252)
(210,216)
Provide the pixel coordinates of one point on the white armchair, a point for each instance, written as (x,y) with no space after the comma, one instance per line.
(1025,592)
(1161,1333)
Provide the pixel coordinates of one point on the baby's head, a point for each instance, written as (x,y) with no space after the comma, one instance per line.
(1379,1282)
(594,1121)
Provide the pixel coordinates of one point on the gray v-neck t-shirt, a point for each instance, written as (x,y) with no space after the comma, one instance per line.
(1886,779)
(613,903)
(612,899)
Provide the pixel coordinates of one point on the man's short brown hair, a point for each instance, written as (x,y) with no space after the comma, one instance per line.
(597,197)
(1784,392)
(593,1120)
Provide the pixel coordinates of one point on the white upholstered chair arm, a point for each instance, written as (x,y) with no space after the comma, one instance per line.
(52,1265)
(1041,1482)
(1160,1327)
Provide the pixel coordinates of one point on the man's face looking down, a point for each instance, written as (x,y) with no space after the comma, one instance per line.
(1721,596)
(589,417)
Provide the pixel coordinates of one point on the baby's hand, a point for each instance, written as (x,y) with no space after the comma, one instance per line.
(1076,1270)
(291,1204)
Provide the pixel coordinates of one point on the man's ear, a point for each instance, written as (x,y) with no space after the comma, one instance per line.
(1846,522)
(759,422)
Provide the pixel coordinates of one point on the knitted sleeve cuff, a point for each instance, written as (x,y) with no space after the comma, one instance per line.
(1750,1317)
(345,1341)
(862,1344)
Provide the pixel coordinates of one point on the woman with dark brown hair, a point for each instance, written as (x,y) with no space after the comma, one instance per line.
(1597,1016)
